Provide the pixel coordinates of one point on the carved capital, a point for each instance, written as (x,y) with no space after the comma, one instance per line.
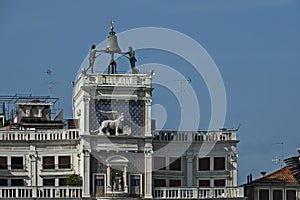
(148,101)
(86,152)
(86,99)
(148,152)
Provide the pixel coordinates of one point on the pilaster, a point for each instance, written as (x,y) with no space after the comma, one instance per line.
(86,116)
(189,161)
(148,172)
(148,117)
(86,173)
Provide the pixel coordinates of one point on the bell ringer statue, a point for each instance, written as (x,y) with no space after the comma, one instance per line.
(112,48)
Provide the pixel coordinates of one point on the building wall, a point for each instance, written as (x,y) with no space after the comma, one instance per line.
(33,146)
(252,192)
(166,149)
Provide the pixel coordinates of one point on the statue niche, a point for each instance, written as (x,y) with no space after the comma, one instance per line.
(113,125)
(117,180)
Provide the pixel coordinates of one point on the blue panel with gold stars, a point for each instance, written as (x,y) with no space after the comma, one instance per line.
(133,113)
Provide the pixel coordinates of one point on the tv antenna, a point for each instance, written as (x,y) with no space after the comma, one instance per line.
(181,88)
(50,82)
(276,159)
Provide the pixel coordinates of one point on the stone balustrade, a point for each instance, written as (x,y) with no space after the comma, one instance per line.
(40,192)
(61,134)
(114,80)
(198,193)
(190,136)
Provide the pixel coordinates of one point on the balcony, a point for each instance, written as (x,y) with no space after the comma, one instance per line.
(61,134)
(40,192)
(199,193)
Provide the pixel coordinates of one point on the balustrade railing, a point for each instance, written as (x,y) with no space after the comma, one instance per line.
(190,136)
(198,193)
(116,79)
(69,134)
(40,192)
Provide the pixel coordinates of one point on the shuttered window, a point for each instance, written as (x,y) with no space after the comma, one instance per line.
(175,183)
(16,162)
(159,182)
(175,164)
(64,162)
(3,162)
(219,163)
(48,162)
(159,163)
(204,183)
(204,164)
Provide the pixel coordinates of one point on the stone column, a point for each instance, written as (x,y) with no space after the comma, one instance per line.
(125,179)
(148,173)
(86,116)
(108,186)
(148,117)
(189,160)
(40,111)
(86,173)
(28,110)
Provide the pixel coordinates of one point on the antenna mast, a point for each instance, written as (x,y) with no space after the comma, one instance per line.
(50,82)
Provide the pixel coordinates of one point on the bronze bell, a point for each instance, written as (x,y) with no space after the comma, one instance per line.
(112,44)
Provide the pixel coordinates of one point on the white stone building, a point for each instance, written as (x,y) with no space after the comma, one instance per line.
(113,147)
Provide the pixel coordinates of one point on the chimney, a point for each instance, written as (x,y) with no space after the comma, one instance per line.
(250,177)
(263,174)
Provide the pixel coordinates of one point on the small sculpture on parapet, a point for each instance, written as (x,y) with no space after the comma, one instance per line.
(132,59)
(92,57)
(114,122)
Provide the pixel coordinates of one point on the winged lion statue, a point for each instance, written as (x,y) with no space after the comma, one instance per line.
(114,122)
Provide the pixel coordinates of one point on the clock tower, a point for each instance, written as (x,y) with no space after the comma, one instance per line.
(114,116)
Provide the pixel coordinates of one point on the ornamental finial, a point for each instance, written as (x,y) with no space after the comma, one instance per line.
(111,24)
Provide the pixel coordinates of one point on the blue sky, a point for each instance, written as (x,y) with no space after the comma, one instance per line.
(255,45)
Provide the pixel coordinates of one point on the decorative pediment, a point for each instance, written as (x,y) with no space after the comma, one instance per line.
(116,160)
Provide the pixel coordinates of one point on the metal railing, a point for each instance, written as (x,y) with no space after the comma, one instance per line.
(198,193)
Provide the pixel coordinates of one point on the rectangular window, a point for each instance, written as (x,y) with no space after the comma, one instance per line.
(219,163)
(159,182)
(204,183)
(3,162)
(175,183)
(204,164)
(175,164)
(3,182)
(48,162)
(159,163)
(219,183)
(99,182)
(17,182)
(135,182)
(49,182)
(62,182)
(290,194)
(16,162)
(263,194)
(64,162)
(277,195)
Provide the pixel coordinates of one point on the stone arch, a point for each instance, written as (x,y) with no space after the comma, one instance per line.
(117,173)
